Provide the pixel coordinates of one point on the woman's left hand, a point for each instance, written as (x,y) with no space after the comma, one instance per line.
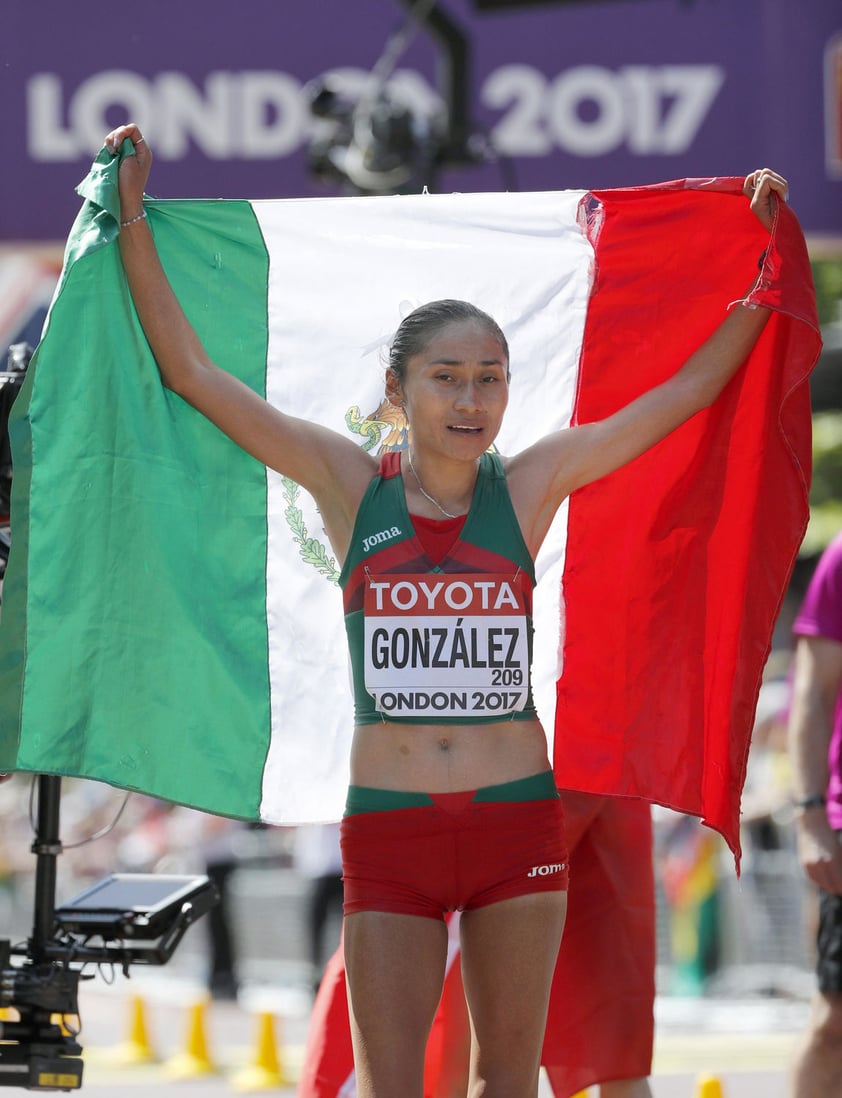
(760,186)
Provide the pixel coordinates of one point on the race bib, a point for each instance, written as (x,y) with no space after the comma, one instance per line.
(446,645)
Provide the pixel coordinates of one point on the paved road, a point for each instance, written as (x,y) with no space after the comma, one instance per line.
(742,1039)
(746,1045)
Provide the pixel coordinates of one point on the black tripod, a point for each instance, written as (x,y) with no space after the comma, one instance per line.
(41,1054)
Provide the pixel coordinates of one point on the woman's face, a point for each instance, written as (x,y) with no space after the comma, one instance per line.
(455,391)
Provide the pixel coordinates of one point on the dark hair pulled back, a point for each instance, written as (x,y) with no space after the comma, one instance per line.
(422,324)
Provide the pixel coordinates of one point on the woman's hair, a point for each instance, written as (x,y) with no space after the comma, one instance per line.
(422,324)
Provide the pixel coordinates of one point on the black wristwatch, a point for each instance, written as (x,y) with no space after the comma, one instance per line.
(815,800)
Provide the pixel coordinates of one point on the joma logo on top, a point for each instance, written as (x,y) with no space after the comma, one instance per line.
(586,110)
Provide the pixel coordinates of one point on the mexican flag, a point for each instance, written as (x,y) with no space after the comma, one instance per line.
(171,621)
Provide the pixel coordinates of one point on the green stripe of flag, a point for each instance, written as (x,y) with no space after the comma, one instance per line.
(166,564)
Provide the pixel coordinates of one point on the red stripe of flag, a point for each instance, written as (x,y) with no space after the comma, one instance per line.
(677,564)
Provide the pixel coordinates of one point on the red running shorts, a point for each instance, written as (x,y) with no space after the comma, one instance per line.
(443,852)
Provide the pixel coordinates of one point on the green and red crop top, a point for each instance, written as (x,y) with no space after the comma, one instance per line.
(447,642)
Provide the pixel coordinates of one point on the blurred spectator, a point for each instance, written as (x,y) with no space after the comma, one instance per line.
(815,740)
(318,858)
(211,842)
(688,860)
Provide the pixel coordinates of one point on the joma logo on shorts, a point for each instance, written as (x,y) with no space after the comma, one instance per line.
(545,870)
(380,537)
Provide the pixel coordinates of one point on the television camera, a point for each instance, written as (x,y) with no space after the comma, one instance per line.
(382,136)
(123,920)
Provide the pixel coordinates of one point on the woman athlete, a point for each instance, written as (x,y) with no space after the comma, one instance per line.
(451,804)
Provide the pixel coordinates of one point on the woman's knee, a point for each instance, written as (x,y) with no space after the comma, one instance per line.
(503,1081)
(826,1021)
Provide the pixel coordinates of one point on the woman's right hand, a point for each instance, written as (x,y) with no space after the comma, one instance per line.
(134,170)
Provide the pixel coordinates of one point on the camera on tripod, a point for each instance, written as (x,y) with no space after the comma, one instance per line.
(125,919)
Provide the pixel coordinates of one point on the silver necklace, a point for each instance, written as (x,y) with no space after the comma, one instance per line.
(426,494)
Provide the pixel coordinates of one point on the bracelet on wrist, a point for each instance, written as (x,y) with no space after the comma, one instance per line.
(814,800)
(133,220)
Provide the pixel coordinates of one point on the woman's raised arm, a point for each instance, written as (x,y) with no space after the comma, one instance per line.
(326,463)
(543,475)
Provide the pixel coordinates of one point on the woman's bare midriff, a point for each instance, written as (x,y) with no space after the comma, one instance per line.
(442,758)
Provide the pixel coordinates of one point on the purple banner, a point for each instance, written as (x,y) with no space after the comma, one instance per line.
(552,95)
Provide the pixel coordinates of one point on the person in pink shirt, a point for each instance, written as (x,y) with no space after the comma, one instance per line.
(815,743)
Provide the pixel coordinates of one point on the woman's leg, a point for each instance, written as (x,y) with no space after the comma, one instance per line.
(509,952)
(395,970)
